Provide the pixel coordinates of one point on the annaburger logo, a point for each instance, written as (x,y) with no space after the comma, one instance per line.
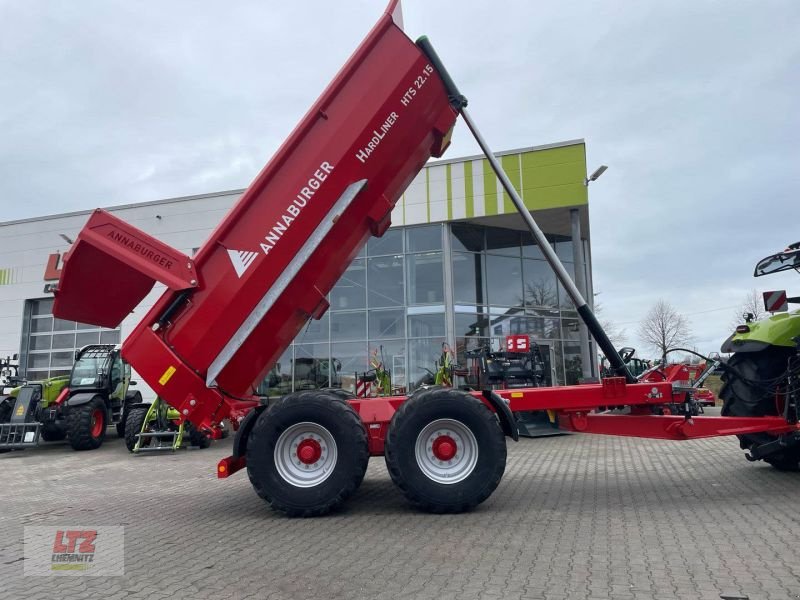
(140,248)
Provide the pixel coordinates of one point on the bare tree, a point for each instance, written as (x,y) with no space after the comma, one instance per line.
(753,304)
(664,328)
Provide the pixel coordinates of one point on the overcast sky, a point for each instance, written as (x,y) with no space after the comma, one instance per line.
(693,104)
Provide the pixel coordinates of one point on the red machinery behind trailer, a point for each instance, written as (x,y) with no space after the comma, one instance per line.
(229,313)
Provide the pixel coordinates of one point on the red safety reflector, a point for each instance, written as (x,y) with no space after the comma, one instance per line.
(62,396)
(743,329)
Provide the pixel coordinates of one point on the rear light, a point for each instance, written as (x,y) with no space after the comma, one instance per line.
(743,329)
(62,396)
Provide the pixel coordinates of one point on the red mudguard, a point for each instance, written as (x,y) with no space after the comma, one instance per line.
(269,265)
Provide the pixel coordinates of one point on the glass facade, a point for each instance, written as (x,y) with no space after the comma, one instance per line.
(49,343)
(419,287)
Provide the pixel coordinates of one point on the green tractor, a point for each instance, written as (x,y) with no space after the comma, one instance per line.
(158,426)
(763,375)
(79,407)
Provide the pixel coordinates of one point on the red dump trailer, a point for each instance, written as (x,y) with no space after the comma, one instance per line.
(228,313)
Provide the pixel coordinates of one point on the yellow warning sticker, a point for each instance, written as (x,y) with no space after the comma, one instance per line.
(167,375)
(20,410)
(517,394)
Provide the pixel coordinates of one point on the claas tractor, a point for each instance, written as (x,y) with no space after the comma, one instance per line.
(78,407)
(762,378)
(227,314)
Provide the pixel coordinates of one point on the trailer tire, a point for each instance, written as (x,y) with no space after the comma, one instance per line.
(743,399)
(307,453)
(133,426)
(86,424)
(426,431)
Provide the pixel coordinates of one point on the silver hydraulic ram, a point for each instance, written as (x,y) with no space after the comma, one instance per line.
(459,102)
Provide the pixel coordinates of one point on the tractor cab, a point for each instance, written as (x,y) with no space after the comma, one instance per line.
(100,367)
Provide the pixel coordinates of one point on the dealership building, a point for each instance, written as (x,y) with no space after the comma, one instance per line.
(457,267)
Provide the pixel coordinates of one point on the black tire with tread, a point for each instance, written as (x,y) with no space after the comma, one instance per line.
(196,437)
(6,408)
(412,417)
(135,399)
(133,426)
(742,399)
(79,425)
(344,424)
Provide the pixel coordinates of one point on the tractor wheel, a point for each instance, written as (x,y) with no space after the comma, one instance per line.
(135,399)
(307,453)
(86,424)
(52,433)
(744,399)
(196,437)
(6,408)
(445,450)
(133,427)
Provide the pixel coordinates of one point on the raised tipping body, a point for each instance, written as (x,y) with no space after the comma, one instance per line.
(267,268)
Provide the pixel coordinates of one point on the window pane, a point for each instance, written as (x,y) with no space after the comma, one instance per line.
(84,339)
(426,325)
(464,236)
(62,325)
(502,241)
(87,326)
(352,356)
(571,329)
(64,340)
(540,283)
(385,277)
(572,363)
(529,247)
(39,342)
(42,307)
(422,357)
(387,323)
(504,280)
(279,380)
(311,366)
(39,361)
(425,278)
(350,290)
(564,250)
(468,284)
(61,359)
(390,243)
(314,331)
(108,337)
(471,324)
(349,325)
(42,325)
(564,300)
(420,239)
(392,354)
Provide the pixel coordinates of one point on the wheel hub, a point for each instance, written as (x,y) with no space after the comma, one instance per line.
(305,454)
(446,451)
(444,447)
(309,451)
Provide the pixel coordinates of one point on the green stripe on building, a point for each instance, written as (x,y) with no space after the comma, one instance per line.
(469,196)
(489,189)
(510,165)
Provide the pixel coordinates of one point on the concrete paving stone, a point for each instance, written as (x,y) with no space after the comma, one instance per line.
(575,517)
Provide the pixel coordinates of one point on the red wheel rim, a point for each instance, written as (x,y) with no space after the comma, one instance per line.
(309,451)
(444,447)
(98,422)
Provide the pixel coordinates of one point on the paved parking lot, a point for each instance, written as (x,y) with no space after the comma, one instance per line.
(575,517)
